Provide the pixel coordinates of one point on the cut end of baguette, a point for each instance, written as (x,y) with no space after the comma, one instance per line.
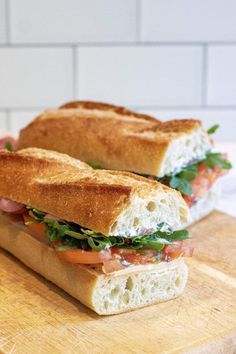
(127,291)
(159,210)
(183,150)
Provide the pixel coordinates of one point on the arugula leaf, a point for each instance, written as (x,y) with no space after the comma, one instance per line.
(215,159)
(189,173)
(213,129)
(181,184)
(95,165)
(73,236)
(176,235)
(8,146)
(65,247)
(180,180)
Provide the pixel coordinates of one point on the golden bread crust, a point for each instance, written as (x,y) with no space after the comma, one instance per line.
(106,138)
(92,105)
(70,189)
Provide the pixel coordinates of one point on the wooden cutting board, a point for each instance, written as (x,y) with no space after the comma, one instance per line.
(37,317)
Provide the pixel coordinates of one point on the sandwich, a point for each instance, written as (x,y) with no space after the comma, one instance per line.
(176,153)
(113,240)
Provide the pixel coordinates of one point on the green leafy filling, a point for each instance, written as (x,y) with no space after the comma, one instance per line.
(213,129)
(180,181)
(8,146)
(95,165)
(72,236)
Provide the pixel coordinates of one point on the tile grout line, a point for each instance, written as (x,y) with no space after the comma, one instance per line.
(206,73)
(138,21)
(74,71)
(7,21)
(132,44)
(8,119)
(77,93)
(203,76)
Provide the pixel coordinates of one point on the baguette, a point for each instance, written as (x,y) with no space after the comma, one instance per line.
(90,105)
(118,140)
(136,287)
(109,202)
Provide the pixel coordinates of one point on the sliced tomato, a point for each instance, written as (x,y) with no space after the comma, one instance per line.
(136,258)
(112,265)
(132,256)
(36,228)
(189,199)
(177,250)
(84,257)
(172,252)
(149,253)
(203,182)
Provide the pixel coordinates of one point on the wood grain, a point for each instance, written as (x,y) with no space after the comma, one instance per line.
(37,317)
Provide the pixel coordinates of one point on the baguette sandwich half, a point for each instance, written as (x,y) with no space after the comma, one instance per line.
(110,239)
(176,153)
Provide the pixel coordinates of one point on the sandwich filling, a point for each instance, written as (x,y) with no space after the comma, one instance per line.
(195,180)
(76,244)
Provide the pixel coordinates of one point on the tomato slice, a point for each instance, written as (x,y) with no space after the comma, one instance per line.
(132,256)
(172,252)
(136,258)
(203,182)
(84,257)
(36,228)
(177,250)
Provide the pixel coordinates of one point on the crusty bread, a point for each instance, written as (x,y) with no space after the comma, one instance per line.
(105,294)
(92,105)
(110,202)
(116,140)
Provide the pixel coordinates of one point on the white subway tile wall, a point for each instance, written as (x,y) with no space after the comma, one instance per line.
(144,75)
(3,120)
(71,21)
(190,21)
(221,89)
(2,21)
(20,119)
(35,76)
(172,58)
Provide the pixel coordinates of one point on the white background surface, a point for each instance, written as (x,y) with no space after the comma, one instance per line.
(228,197)
(174,58)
